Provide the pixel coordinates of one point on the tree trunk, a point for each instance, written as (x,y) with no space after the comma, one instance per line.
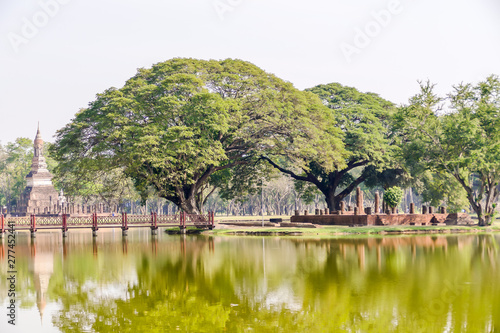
(332,200)
(190,207)
(332,203)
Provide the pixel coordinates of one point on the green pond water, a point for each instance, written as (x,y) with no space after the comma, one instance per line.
(252,284)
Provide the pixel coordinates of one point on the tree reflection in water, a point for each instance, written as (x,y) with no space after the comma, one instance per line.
(379,284)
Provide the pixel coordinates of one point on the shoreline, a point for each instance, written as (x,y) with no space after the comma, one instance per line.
(336,231)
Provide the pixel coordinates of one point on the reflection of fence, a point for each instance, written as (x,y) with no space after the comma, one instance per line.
(95,222)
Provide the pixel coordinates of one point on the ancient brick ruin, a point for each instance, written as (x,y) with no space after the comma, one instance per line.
(39,196)
(360,216)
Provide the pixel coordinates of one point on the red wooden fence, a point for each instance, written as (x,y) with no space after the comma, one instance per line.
(94,221)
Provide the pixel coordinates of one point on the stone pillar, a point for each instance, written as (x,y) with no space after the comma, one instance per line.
(321,212)
(424,209)
(377,202)
(431,210)
(316,211)
(393,210)
(412,208)
(297,213)
(368,211)
(356,211)
(443,210)
(306,212)
(342,207)
(359,200)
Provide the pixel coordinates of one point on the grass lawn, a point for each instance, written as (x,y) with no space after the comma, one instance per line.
(250,218)
(342,230)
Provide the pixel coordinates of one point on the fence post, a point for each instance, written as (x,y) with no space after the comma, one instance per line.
(33,226)
(64,225)
(183,222)
(124,224)
(154,228)
(94,225)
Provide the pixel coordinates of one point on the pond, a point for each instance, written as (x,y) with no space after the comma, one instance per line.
(169,283)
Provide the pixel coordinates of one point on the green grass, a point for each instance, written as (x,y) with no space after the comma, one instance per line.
(177,230)
(249,218)
(340,230)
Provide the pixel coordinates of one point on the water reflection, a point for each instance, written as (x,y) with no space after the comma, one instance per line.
(41,266)
(166,283)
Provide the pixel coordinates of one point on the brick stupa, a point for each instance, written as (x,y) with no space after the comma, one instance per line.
(39,195)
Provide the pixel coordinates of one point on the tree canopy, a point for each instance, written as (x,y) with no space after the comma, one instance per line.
(174,126)
(462,141)
(15,162)
(364,119)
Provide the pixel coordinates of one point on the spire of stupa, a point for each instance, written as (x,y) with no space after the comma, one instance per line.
(39,195)
(38,143)
(39,174)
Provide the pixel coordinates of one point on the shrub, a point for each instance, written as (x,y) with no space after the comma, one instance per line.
(393,196)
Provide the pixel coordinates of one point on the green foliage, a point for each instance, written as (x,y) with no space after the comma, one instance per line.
(393,196)
(441,189)
(174,126)
(15,162)
(365,121)
(462,142)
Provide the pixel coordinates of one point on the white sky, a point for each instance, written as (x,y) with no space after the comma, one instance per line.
(91,45)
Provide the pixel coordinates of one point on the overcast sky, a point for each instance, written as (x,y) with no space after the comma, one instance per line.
(56,55)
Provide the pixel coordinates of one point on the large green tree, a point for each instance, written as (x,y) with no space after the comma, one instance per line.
(458,136)
(174,126)
(364,119)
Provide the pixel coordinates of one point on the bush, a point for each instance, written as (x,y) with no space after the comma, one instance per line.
(393,196)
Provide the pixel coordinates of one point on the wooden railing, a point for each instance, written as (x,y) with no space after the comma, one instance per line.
(95,222)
